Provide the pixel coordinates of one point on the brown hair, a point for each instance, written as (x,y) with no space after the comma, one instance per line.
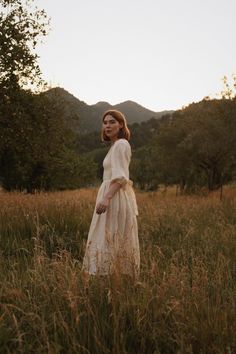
(124,131)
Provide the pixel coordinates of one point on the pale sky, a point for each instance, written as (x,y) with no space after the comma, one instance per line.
(160,54)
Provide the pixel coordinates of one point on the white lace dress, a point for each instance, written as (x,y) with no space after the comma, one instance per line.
(113,244)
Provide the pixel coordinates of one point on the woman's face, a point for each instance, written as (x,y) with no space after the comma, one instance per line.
(111,127)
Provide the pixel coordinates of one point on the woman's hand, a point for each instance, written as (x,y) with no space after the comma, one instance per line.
(102,206)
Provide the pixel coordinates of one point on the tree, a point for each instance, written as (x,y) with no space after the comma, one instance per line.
(37,148)
(144,169)
(198,146)
(229,91)
(21,27)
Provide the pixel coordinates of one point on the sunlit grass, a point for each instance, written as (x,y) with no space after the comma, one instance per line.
(184,301)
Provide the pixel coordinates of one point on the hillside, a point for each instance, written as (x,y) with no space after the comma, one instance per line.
(86,118)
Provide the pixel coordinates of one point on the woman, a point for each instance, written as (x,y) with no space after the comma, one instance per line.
(113,244)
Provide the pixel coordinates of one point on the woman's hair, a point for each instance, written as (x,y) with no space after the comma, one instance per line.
(124,131)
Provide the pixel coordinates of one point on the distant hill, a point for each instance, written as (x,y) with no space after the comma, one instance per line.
(86,118)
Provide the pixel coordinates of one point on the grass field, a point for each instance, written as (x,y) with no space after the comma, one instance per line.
(184,301)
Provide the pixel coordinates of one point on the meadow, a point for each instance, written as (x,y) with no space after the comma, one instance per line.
(183,302)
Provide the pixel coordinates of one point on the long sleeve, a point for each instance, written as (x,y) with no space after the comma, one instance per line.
(120,159)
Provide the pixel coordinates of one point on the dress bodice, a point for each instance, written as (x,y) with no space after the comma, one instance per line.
(107,166)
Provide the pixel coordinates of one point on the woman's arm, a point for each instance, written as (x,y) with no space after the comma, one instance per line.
(103,205)
(120,159)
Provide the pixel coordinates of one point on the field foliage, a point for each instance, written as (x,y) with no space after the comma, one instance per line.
(183,302)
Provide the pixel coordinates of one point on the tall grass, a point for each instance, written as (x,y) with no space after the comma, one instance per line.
(183,302)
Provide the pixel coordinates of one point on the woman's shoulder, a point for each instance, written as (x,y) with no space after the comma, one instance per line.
(122,146)
(122,141)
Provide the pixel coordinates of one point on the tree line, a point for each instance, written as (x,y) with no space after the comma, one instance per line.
(194,148)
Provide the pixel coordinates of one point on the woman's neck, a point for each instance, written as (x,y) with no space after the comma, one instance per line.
(113,141)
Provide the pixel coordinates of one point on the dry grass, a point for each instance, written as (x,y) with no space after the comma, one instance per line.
(184,301)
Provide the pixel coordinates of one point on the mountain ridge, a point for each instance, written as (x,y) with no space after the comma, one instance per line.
(85,118)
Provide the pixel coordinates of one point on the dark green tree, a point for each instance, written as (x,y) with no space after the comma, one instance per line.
(37,148)
(21,27)
(198,146)
(144,168)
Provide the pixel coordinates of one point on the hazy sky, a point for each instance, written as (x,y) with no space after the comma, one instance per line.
(161,54)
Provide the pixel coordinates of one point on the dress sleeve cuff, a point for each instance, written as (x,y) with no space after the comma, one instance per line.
(122,180)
